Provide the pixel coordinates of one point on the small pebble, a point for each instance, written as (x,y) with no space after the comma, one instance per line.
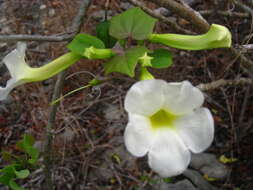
(51,12)
(43,7)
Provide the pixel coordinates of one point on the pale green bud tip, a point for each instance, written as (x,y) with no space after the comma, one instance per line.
(220,36)
(89,52)
(145,74)
(145,60)
(94,53)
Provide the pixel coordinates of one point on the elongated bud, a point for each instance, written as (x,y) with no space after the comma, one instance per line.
(218,36)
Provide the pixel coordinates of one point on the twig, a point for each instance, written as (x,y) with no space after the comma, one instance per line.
(246,64)
(247,46)
(50,38)
(50,131)
(243,6)
(25,37)
(222,83)
(244,106)
(185,12)
(76,26)
(166,20)
(224,13)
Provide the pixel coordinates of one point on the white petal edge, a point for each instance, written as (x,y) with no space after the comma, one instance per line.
(196,129)
(15,61)
(138,135)
(4,92)
(145,97)
(182,98)
(168,155)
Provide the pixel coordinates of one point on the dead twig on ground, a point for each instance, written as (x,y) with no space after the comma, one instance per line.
(185,12)
(243,6)
(225,13)
(26,37)
(76,27)
(222,83)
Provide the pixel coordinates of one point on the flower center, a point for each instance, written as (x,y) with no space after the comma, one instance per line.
(162,119)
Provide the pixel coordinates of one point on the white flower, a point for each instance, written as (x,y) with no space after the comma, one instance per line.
(15,62)
(166,121)
(22,73)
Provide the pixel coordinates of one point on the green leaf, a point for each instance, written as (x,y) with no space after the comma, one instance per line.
(102,30)
(125,63)
(5,178)
(22,173)
(13,185)
(8,169)
(167,180)
(82,41)
(34,153)
(7,173)
(162,58)
(27,146)
(28,139)
(133,23)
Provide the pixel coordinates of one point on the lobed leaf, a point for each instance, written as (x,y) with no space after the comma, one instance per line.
(125,63)
(132,23)
(83,41)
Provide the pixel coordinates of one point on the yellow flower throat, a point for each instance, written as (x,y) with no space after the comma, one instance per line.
(163,119)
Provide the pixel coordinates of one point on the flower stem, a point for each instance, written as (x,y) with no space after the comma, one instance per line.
(53,67)
(69,93)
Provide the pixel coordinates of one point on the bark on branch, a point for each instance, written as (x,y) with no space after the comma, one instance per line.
(76,27)
(25,37)
(221,83)
(185,12)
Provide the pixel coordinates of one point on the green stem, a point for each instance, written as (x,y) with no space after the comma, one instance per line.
(145,74)
(53,67)
(69,93)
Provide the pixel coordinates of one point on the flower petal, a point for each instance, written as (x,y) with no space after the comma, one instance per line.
(15,61)
(138,135)
(12,83)
(168,155)
(182,97)
(196,129)
(145,97)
